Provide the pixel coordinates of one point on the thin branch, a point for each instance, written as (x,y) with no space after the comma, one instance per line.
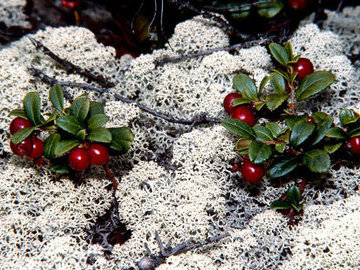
(70,67)
(237,8)
(111,177)
(196,120)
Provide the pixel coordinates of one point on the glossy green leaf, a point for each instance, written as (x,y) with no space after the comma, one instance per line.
(50,144)
(59,168)
(65,146)
(239,128)
(259,105)
(348,116)
(32,108)
(259,152)
(246,86)
(336,133)
(242,144)
(97,120)
(289,49)
(324,122)
(239,101)
(100,135)
(263,133)
(274,128)
(95,108)
(280,147)
(22,134)
(280,53)
(278,83)
(293,195)
(263,83)
(274,101)
(18,112)
(69,124)
(280,205)
(297,207)
(332,148)
(285,136)
(81,135)
(122,139)
(282,73)
(313,84)
(302,130)
(354,131)
(317,160)
(291,120)
(283,167)
(270,9)
(293,77)
(80,108)
(56,96)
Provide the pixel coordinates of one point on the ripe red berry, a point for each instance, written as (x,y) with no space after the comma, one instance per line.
(354,145)
(303,67)
(299,4)
(244,114)
(19,123)
(252,173)
(79,159)
(311,120)
(70,3)
(99,154)
(37,148)
(22,148)
(235,168)
(228,101)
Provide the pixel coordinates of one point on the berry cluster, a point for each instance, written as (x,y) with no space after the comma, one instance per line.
(82,156)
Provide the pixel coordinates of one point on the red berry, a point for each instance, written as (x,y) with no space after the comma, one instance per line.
(79,159)
(244,114)
(303,67)
(19,123)
(354,145)
(235,168)
(39,162)
(311,120)
(99,154)
(22,148)
(252,173)
(37,148)
(70,3)
(299,4)
(228,101)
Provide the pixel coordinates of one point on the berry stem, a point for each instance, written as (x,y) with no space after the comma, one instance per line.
(292,104)
(110,176)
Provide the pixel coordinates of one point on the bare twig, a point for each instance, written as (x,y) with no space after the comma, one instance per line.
(196,120)
(111,176)
(70,67)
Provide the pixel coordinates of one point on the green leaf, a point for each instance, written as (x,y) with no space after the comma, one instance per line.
(274,101)
(336,133)
(332,148)
(95,108)
(280,53)
(259,105)
(293,194)
(19,112)
(297,207)
(52,117)
(282,73)
(239,128)
(293,77)
(246,86)
(50,144)
(278,83)
(80,108)
(22,134)
(354,131)
(313,84)
(274,128)
(324,122)
(69,124)
(348,116)
(289,49)
(242,144)
(280,205)
(280,147)
(239,101)
(263,133)
(283,167)
(100,135)
(122,139)
(259,152)
(270,9)
(264,81)
(97,120)
(59,168)
(81,135)
(302,130)
(317,160)
(293,119)
(32,108)
(65,146)
(56,97)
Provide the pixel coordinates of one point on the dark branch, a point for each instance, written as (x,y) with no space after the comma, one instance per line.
(70,67)
(237,8)
(196,120)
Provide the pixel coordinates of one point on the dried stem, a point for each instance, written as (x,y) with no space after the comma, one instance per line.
(111,176)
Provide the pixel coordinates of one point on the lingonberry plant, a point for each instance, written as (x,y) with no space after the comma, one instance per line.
(76,136)
(296,144)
